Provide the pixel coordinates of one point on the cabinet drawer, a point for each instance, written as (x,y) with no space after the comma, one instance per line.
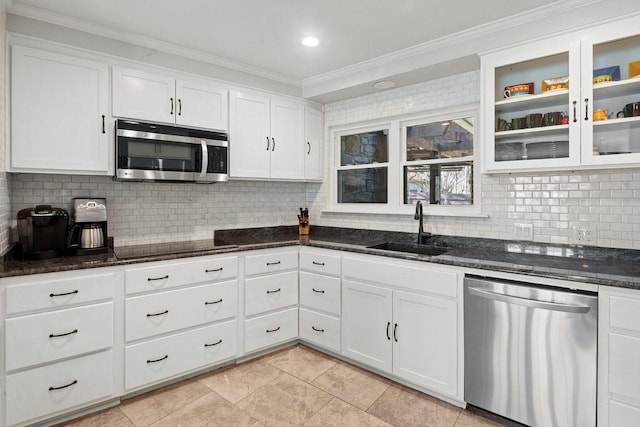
(271,329)
(320,292)
(624,369)
(272,262)
(320,329)
(320,263)
(624,313)
(31,340)
(32,394)
(270,292)
(165,276)
(155,314)
(48,294)
(162,358)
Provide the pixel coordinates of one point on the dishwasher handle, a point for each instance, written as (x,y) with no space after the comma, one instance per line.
(546,305)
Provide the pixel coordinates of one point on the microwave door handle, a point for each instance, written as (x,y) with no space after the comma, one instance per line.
(205,159)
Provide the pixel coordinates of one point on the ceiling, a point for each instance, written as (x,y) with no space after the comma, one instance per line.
(264,36)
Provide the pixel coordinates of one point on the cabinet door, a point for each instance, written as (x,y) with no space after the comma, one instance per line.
(366,324)
(425,337)
(250,142)
(287,140)
(143,96)
(59,106)
(202,104)
(314,144)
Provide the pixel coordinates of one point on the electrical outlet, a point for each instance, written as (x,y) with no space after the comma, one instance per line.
(523,231)
(583,235)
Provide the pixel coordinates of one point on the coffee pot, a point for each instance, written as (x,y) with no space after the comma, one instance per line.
(89,234)
(86,236)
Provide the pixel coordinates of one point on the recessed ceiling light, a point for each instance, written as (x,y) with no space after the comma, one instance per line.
(384,84)
(310,41)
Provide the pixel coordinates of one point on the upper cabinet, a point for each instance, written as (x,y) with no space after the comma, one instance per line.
(314,144)
(158,98)
(565,102)
(266,137)
(59,114)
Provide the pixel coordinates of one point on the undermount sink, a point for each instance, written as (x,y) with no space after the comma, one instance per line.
(412,248)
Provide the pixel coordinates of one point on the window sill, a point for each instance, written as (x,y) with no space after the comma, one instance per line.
(445,211)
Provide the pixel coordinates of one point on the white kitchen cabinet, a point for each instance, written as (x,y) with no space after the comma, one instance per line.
(59,110)
(314,144)
(267,136)
(618,355)
(577,140)
(159,98)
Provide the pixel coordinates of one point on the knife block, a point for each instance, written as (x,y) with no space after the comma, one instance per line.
(303,228)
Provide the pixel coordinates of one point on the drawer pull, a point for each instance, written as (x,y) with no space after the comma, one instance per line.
(273,263)
(63,386)
(317,263)
(151,279)
(166,356)
(273,330)
(64,294)
(317,291)
(213,302)
(317,330)
(273,292)
(75,331)
(215,269)
(215,343)
(158,314)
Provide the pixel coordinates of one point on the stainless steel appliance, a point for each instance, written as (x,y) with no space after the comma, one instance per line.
(531,352)
(89,232)
(147,151)
(42,231)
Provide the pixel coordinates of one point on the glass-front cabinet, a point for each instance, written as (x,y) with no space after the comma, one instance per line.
(563,103)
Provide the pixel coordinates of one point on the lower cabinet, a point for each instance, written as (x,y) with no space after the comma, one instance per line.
(271,329)
(320,329)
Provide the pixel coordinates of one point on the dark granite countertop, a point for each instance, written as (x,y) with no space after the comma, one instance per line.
(600,266)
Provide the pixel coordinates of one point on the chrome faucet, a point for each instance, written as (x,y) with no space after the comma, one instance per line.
(418,215)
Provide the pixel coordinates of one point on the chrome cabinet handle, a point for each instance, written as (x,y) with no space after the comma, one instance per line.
(179,106)
(267,143)
(586,108)
(273,263)
(213,302)
(273,144)
(158,314)
(103,131)
(317,291)
(395,327)
(575,114)
(388,337)
(273,330)
(171,106)
(64,386)
(273,292)
(309,149)
(52,295)
(166,356)
(151,279)
(215,269)
(215,343)
(75,331)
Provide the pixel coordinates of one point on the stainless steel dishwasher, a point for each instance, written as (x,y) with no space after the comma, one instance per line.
(531,352)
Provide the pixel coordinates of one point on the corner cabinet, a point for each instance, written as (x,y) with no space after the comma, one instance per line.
(59,109)
(538,101)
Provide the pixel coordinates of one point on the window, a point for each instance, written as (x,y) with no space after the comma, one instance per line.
(388,167)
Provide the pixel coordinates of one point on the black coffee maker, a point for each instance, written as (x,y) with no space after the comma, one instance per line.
(89,232)
(42,231)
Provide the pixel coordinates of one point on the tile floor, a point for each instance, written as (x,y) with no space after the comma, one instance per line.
(294,386)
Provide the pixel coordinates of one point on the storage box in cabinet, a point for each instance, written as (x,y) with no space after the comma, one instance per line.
(270,262)
(270,329)
(270,292)
(163,312)
(320,329)
(45,337)
(320,262)
(166,276)
(53,388)
(43,293)
(320,292)
(162,358)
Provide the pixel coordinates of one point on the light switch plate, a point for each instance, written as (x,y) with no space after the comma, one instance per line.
(583,236)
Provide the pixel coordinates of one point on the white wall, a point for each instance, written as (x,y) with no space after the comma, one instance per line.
(605,201)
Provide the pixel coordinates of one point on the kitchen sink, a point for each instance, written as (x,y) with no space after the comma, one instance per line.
(412,248)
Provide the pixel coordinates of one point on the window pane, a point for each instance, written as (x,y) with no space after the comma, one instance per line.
(362,185)
(440,140)
(364,148)
(450,184)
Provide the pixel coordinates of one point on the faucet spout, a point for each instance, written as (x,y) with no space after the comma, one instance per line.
(419,216)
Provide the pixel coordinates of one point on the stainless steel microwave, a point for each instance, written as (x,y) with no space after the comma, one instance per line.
(155,152)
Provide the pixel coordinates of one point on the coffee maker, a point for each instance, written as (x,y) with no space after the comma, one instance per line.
(42,231)
(89,232)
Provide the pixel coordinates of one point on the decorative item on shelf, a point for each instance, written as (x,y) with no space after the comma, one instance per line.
(555,83)
(600,115)
(630,110)
(502,125)
(518,90)
(518,123)
(606,74)
(509,151)
(303,222)
(534,120)
(553,118)
(634,69)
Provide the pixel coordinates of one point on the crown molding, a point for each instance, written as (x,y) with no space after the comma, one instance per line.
(474,33)
(40,14)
